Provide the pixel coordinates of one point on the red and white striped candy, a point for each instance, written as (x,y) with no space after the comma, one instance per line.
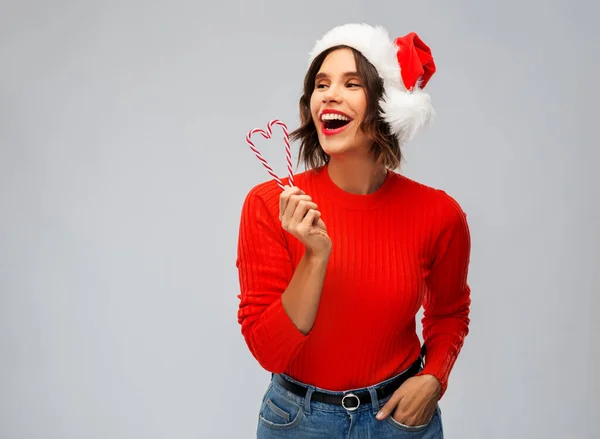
(267,135)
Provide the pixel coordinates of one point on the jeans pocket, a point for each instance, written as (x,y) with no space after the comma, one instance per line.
(412,428)
(280,412)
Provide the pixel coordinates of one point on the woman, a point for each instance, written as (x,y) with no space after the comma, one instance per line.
(333,270)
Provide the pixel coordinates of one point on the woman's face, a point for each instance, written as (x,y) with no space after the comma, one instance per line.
(338,105)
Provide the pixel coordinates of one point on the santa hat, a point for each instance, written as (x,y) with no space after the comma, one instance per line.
(405,65)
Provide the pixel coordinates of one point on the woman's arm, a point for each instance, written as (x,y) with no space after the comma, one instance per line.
(448,299)
(301,298)
(278,304)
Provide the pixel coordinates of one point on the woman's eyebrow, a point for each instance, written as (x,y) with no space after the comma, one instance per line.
(322,75)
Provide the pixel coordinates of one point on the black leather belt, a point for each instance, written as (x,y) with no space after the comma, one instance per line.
(352,400)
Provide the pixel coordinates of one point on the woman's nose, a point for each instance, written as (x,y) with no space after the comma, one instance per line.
(332,94)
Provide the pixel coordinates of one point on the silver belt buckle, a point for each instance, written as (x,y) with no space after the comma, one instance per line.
(350,395)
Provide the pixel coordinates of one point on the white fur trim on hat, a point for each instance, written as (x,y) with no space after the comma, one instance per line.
(407,112)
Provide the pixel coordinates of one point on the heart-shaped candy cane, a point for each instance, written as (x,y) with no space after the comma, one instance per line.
(267,135)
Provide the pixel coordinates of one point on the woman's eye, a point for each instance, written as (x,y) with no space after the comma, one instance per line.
(354,85)
(320,85)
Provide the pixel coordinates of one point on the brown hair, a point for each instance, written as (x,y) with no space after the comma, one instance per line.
(385,148)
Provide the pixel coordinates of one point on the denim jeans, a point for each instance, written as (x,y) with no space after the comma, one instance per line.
(284,414)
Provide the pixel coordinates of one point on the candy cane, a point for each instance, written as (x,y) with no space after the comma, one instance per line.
(267,135)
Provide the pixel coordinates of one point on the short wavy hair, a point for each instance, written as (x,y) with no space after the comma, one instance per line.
(385,148)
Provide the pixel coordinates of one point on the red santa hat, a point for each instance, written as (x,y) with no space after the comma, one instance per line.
(405,65)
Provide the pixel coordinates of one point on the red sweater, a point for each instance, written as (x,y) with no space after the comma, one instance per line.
(404,246)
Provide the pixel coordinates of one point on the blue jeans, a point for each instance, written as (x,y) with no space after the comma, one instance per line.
(284,414)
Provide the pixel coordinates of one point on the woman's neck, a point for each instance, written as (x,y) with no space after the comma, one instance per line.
(356,176)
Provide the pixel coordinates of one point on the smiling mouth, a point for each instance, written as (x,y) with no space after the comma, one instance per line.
(333,122)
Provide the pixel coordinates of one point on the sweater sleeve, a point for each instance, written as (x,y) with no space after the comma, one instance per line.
(265,269)
(447,301)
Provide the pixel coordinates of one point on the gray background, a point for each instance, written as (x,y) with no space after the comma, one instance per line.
(123,167)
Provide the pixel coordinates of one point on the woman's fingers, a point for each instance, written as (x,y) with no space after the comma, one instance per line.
(285,196)
(302,208)
(311,218)
(389,407)
(292,205)
(299,216)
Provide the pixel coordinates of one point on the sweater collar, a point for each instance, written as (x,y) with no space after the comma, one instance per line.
(336,195)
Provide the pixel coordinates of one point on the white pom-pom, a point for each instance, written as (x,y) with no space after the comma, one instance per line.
(407,112)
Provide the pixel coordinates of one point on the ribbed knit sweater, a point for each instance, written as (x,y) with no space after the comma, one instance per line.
(401,247)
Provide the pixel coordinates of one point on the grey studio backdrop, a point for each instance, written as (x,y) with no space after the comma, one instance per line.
(123,168)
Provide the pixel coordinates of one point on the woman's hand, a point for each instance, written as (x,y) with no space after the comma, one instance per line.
(300,216)
(414,402)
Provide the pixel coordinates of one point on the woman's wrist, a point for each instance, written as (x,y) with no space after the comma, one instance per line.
(318,256)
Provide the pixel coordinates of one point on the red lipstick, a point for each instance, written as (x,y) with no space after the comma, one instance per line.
(332,131)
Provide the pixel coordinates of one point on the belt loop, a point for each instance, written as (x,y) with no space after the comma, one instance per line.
(307,398)
(374,399)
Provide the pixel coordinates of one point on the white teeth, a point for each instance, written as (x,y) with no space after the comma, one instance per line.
(331,116)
